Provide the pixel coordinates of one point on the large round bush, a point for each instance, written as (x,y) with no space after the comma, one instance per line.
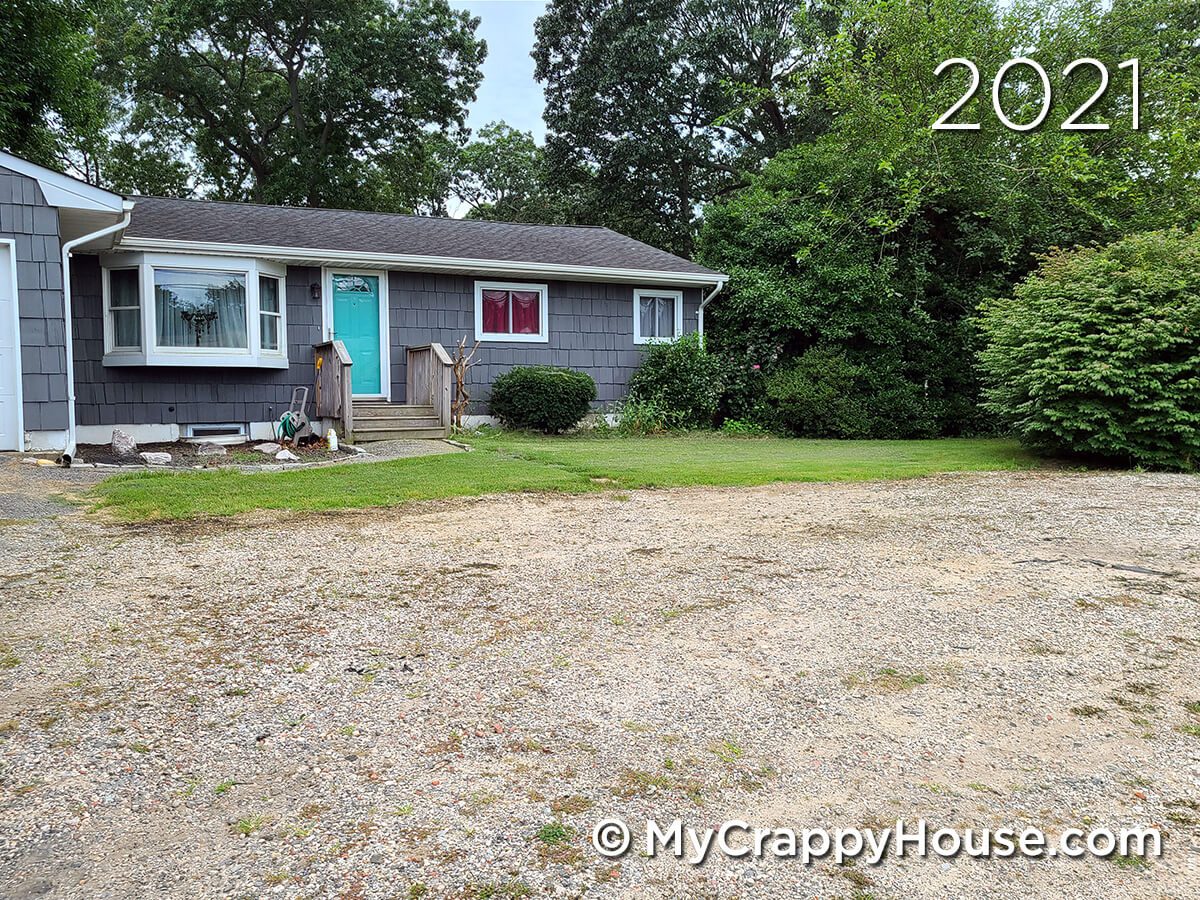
(1098,353)
(682,380)
(542,398)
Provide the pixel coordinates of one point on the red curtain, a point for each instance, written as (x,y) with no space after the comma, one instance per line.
(525,312)
(495,312)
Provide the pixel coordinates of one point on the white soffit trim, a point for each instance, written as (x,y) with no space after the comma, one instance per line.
(64,191)
(311,256)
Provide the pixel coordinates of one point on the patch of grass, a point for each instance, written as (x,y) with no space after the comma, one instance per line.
(507,462)
(886,680)
(1134,863)
(1087,711)
(509,890)
(726,751)
(554,833)
(249,825)
(572,805)
(636,783)
(1192,730)
(1193,707)
(224,787)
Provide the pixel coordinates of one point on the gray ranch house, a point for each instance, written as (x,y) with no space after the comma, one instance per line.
(172,319)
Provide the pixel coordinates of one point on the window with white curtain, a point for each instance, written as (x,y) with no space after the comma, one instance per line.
(657,315)
(174,309)
(200,309)
(124,309)
(269,314)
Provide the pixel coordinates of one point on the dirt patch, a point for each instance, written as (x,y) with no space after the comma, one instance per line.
(445,698)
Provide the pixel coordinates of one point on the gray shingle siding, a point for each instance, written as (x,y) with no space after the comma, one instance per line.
(26,219)
(591,328)
(139,395)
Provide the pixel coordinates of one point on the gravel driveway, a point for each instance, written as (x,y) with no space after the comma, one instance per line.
(399,702)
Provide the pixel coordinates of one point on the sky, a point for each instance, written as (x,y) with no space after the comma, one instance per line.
(508,91)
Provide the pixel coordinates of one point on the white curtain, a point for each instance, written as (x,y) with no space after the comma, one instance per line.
(657,317)
(200,309)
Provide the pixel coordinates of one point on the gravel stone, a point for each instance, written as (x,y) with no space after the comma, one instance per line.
(370,702)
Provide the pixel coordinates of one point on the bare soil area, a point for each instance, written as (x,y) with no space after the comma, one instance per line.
(397,703)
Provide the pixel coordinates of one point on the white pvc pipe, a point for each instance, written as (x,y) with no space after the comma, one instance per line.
(69,451)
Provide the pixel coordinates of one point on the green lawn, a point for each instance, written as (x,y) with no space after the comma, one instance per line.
(504,462)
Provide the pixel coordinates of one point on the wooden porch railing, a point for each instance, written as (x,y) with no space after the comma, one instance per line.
(333,387)
(431,380)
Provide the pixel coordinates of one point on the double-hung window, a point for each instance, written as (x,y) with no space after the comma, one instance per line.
(511,312)
(165,309)
(657,315)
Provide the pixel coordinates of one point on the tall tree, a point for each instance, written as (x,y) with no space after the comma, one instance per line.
(656,106)
(500,175)
(320,102)
(49,100)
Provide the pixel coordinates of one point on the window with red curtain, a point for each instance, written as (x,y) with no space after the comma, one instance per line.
(495,312)
(511,311)
(526,318)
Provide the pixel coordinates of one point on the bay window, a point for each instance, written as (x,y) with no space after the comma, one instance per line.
(181,310)
(657,315)
(511,312)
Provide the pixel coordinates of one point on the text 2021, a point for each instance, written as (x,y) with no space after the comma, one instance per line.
(1071,123)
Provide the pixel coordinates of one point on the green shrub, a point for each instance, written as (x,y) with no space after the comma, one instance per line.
(1098,353)
(542,398)
(646,417)
(743,428)
(823,393)
(682,380)
(817,396)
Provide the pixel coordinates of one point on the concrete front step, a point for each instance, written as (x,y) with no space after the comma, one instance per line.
(368,434)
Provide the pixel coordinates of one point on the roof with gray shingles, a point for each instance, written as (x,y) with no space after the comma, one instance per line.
(365,232)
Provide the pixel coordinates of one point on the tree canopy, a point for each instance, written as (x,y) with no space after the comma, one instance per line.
(321,102)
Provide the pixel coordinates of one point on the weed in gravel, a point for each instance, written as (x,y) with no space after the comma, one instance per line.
(886,680)
(726,751)
(635,727)
(1191,730)
(981,788)
(1127,600)
(224,787)
(1087,711)
(509,890)
(249,825)
(636,783)
(555,833)
(1193,707)
(572,805)
(9,726)
(1133,863)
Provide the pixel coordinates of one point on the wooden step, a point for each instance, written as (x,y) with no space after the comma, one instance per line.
(364,435)
(392,411)
(387,423)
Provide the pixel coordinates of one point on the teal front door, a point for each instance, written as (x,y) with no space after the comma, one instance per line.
(356,324)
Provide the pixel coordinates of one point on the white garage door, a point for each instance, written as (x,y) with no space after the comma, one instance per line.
(10,352)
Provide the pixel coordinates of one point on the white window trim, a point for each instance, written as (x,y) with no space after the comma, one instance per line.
(543,335)
(385,342)
(151,354)
(638,294)
(109,330)
(280,334)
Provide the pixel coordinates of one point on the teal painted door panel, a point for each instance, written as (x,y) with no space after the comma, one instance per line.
(356,324)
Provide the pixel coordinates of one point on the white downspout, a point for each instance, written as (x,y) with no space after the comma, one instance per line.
(700,312)
(69,452)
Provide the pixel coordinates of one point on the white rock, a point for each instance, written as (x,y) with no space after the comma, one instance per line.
(209,448)
(268,447)
(155,459)
(30,460)
(123,443)
(287,456)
